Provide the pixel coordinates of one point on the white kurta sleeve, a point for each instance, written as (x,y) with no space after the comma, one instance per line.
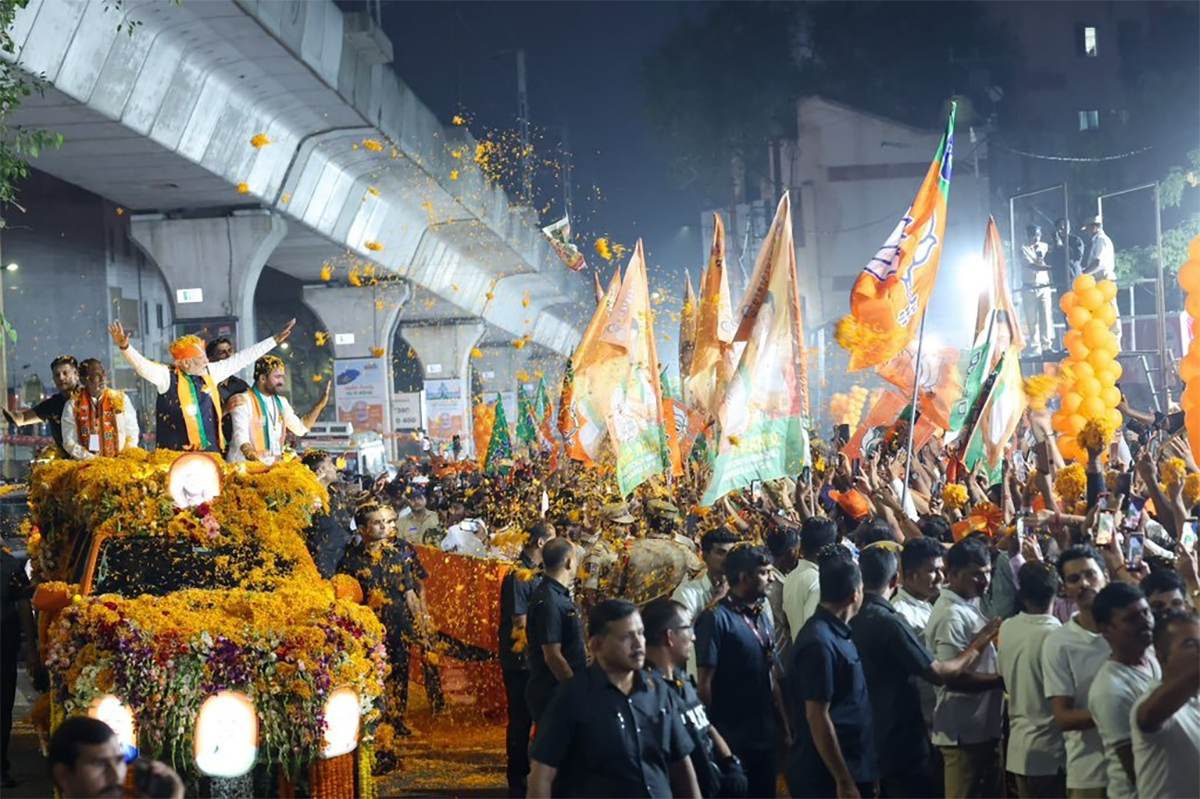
(243,417)
(130,432)
(157,374)
(240,360)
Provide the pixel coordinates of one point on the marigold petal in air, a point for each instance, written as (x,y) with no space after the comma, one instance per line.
(371,190)
(373,246)
(476,352)
(454,174)
(317,378)
(243,188)
(372,144)
(259,141)
(378,352)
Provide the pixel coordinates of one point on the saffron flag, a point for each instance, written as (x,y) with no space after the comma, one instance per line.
(881,412)
(999,417)
(940,380)
(763,433)
(997,330)
(687,329)
(580,423)
(713,354)
(888,300)
(500,447)
(545,414)
(623,382)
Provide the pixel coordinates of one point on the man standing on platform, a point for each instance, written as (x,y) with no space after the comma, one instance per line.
(261,423)
(188,411)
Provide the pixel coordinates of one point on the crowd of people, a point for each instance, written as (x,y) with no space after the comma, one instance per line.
(870,626)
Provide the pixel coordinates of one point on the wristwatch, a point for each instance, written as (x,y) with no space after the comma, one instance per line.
(732,760)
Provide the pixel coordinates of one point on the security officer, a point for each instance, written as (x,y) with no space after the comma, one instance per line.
(580,751)
(599,564)
(516,590)
(669,641)
(556,646)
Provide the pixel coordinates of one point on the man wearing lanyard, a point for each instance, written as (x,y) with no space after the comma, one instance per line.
(259,426)
(734,657)
(98,420)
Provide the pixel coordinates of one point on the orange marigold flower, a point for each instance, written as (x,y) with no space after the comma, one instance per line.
(326,272)
(476,352)
(317,378)
(373,246)
(243,188)
(378,352)
(259,141)
(454,174)
(372,145)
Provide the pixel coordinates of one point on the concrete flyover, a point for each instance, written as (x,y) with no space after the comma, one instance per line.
(358,173)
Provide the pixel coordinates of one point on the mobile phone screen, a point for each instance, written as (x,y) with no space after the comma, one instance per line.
(1104,528)
(1134,549)
(1190,532)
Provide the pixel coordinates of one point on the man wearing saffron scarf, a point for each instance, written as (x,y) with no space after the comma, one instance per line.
(98,420)
(262,421)
(188,411)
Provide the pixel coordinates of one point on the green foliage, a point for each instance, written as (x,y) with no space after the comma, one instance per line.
(18,143)
(1174,189)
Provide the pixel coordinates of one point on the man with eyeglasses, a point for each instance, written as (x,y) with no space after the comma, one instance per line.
(669,642)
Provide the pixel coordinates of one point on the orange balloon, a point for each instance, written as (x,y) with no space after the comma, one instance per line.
(1072,336)
(1107,376)
(1067,302)
(1099,359)
(1111,396)
(1058,420)
(1091,298)
(1095,334)
(1189,367)
(1106,314)
(1093,407)
(1115,417)
(1075,423)
(1083,282)
(1067,447)
(1189,275)
(1076,347)
(1108,289)
(1082,369)
(1088,387)
(1115,370)
(1192,305)
(1078,316)
(1071,402)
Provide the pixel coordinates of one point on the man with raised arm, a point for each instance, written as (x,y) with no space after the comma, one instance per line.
(188,412)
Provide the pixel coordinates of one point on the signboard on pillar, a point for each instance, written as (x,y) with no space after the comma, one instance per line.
(445,410)
(406,411)
(361,393)
(209,328)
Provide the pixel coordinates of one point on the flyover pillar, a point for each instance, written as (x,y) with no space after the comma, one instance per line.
(445,352)
(360,323)
(212,264)
(503,366)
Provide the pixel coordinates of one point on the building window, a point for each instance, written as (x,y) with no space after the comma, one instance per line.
(1089,120)
(1086,40)
(160,316)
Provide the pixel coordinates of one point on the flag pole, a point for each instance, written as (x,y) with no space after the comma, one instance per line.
(912,419)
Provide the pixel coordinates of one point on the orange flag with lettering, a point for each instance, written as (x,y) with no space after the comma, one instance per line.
(713,356)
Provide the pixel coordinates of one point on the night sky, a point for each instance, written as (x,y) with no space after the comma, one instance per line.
(582,64)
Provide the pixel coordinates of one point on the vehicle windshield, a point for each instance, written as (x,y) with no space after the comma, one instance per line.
(136,565)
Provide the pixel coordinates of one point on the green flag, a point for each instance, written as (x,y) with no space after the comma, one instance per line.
(526,417)
(500,446)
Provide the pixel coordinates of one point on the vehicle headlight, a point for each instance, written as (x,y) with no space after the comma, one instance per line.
(117,715)
(342,715)
(226,740)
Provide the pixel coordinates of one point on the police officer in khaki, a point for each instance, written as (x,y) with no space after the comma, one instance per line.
(598,569)
(655,564)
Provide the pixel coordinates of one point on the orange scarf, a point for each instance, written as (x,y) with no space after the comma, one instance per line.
(105,427)
(189,406)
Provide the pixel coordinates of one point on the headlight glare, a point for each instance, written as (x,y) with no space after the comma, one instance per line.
(226,740)
(342,716)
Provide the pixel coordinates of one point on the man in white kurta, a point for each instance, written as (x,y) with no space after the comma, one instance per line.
(261,422)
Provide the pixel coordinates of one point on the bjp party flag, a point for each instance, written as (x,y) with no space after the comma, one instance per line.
(712,361)
(580,422)
(763,433)
(888,300)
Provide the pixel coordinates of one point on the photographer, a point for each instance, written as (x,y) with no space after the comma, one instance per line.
(87,761)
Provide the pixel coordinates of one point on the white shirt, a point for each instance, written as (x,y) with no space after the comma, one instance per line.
(916,612)
(1035,742)
(127,429)
(801,595)
(1071,657)
(1111,697)
(1102,250)
(162,376)
(466,542)
(1167,761)
(243,419)
(694,594)
(961,718)
(1032,276)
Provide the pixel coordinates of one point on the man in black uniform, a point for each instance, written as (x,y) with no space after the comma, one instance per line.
(893,656)
(556,646)
(612,729)
(516,589)
(392,580)
(65,372)
(15,617)
(669,641)
(328,533)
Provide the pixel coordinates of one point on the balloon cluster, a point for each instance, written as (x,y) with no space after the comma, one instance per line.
(848,408)
(1091,370)
(1189,367)
(485,417)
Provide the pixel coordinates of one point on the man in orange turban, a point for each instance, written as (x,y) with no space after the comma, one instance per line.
(188,411)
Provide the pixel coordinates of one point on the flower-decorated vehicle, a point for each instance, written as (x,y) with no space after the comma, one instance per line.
(180,604)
